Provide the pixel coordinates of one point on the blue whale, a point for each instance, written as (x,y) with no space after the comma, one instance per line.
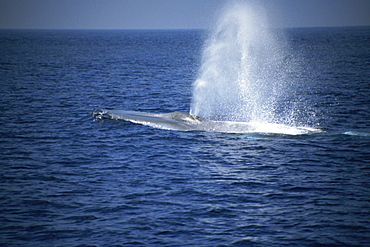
(186,122)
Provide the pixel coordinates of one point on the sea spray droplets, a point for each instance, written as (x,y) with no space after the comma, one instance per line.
(241,76)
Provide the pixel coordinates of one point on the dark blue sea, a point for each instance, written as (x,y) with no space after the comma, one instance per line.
(69,179)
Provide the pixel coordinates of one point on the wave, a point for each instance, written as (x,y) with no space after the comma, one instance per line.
(182,121)
(355,133)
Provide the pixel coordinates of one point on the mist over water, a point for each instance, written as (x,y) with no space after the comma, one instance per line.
(245,82)
(244,71)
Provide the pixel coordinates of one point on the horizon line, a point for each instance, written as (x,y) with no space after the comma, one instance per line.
(148,29)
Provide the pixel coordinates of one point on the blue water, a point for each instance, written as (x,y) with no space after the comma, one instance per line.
(68,179)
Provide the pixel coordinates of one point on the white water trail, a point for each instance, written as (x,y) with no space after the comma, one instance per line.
(242,76)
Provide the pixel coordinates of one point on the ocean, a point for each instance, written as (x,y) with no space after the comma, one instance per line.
(68,178)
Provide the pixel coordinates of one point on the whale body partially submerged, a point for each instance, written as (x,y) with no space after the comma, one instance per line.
(186,122)
(174,120)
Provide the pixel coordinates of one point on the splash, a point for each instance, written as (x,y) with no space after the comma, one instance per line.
(242,85)
(243,72)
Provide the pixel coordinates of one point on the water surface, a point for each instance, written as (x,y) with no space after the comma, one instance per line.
(67,179)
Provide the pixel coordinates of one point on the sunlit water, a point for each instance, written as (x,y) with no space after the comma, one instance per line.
(68,179)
